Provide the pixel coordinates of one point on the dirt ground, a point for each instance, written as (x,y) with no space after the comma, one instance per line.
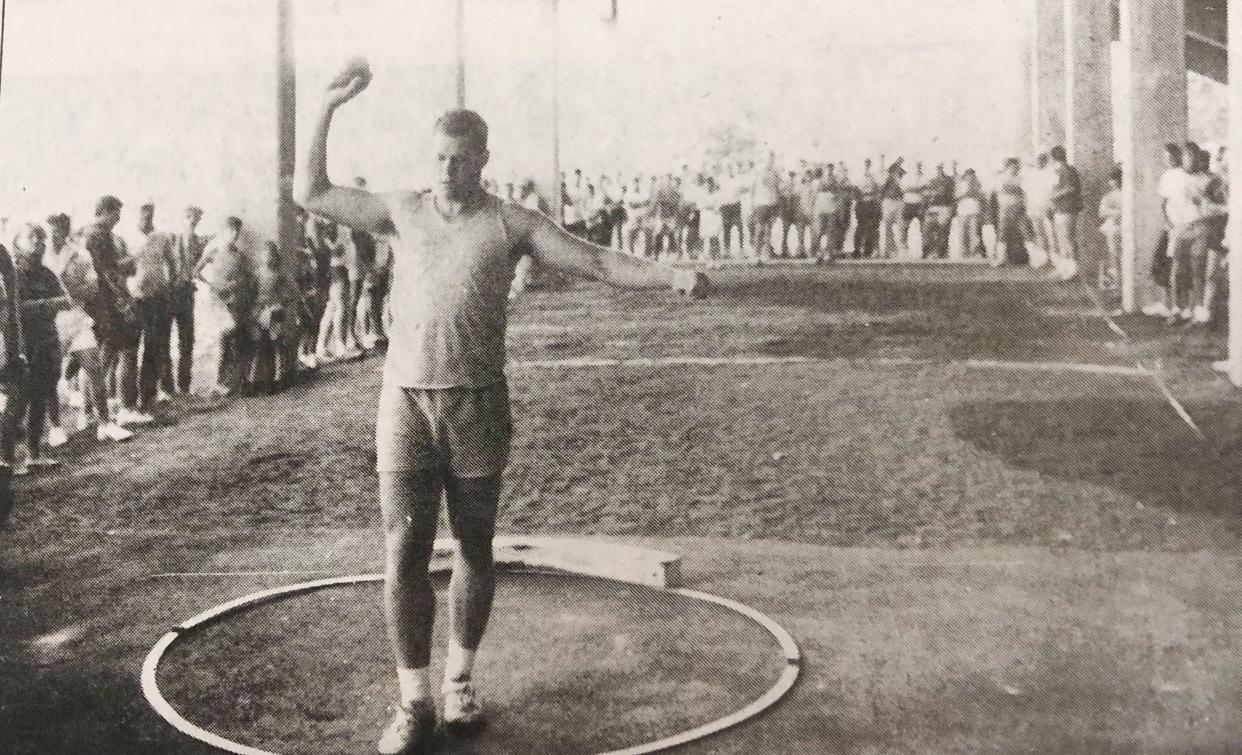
(974,558)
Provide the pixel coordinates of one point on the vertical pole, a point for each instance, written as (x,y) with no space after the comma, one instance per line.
(461,53)
(554,195)
(1235,199)
(286,131)
(1089,115)
(1153,46)
(1048,74)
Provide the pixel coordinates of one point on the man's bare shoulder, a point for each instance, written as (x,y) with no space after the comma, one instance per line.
(404,199)
(520,218)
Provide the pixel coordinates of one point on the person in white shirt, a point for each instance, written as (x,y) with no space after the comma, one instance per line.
(1170,186)
(1192,210)
(1038,190)
(637,206)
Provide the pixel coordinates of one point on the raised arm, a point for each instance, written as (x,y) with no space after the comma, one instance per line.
(355,208)
(558,249)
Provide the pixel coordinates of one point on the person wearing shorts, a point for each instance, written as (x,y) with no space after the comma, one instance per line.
(443,423)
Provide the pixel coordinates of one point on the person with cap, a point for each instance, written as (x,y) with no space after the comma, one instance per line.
(868,214)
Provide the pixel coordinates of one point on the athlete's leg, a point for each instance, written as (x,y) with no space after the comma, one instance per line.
(410,502)
(472,517)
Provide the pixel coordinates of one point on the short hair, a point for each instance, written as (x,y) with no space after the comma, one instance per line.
(1013,162)
(1173,150)
(59,220)
(1116,174)
(195,209)
(1057,153)
(147,206)
(233,222)
(459,122)
(107,203)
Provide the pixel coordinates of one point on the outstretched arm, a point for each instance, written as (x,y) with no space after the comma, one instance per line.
(354,208)
(558,249)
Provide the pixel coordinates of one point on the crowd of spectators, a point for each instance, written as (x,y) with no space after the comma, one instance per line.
(91,315)
(106,322)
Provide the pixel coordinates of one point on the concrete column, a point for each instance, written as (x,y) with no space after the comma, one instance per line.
(1234,361)
(1089,113)
(1154,113)
(1047,74)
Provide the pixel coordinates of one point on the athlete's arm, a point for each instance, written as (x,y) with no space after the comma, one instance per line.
(556,248)
(351,207)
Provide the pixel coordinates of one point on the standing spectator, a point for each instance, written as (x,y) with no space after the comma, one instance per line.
(334,326)
(868,213)
(220,308)
(269,317)
(827,209)
(893,206)
(1066,200)
(188,248)
(151,287)
(1009,215)
(12,378)
(114,311)
(361,259)
(915,208)
(970,211)
(77,331)
(667,205)
(1171,185)
(42,297)
(730,195)
(711,226)
(938,218)
(1108,277)
(1194,211)
(1039,210)
(766,202)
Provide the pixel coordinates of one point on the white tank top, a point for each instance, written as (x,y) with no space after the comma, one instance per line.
(450,294)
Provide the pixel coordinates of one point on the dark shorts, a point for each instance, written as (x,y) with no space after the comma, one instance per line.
(465,431)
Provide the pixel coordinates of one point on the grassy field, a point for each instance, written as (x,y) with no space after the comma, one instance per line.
(975,557)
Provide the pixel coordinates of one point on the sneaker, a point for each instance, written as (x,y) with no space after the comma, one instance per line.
(1222,366)
(462,710)
(75,399)
(1202,315)
(133,417)
(1156,309)
(21,469)
(411,730)
(44,462)
(56,437)
(163,397)
(114,432)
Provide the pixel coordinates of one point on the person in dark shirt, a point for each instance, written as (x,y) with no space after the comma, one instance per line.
(892,224)
(939,215)
(42,297)
(1066,199)
(113,309)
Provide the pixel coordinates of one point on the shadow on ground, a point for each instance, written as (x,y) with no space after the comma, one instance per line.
(1137,447)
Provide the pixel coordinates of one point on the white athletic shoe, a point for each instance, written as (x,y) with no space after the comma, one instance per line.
(114,432)
(56,437)
(1202,315)
(462,710)
(162,397)
(1156,309)
(1221,366)
(127,417)
(75,399)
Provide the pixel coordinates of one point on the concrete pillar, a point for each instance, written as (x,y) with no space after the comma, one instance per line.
(1047,74)
(1234,362)
(1089,113)
(1154,113)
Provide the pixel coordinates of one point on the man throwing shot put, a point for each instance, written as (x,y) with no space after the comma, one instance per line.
(443,420)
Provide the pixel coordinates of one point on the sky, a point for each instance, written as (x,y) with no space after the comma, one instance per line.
(172,100)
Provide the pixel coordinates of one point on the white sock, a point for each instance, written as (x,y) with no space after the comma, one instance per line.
(415,684)
(459,664)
